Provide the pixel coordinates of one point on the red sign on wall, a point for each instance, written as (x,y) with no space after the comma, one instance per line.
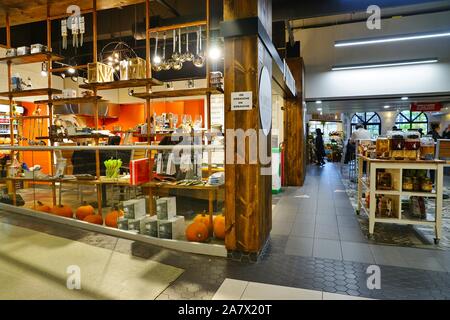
(426,107)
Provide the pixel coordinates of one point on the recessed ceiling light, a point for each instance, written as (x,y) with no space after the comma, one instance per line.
(384,64)
(404,37)
(386,107)
(319,109)
(318,101)
(405,98)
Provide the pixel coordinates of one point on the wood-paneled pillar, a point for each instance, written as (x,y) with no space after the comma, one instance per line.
(248,196)
(295,129)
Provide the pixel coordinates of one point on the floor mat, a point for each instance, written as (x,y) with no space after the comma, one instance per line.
(403,235)
(38,266)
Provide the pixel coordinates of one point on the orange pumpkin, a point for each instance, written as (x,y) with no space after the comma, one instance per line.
(219,226)
(203,218)
(62,211)
(42,207)
(95,219)
(84,211)
(197,232)
(112,217)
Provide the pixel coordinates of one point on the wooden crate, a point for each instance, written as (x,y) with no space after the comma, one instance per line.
(100,72)
(137,68)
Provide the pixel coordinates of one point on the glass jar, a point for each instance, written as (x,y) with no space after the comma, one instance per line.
(427,148)
(426,185)
(383,147)
(408,184)
(417,186)
(397,142)
(412,141)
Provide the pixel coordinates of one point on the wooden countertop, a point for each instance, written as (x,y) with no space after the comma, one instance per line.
(400,161)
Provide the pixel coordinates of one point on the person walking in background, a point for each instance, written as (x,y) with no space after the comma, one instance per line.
(446,134)
(320,148)
(435,127)
(360,134)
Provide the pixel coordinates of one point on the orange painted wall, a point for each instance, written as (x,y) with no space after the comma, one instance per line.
(34,158)
(130,116)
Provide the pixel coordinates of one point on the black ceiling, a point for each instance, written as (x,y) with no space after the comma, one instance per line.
(127,24)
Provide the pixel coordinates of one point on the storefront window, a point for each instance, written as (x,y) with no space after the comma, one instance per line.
(411,120)
(370,120)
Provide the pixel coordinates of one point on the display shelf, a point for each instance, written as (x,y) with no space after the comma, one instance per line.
(32,58)
(178,93)
(58,102)
(388,192)
(418,194)
(390,166)
(30,117)
(121,84)
(406,221)
(30,93)
(84,136)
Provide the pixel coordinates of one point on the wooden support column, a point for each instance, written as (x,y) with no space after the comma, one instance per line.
(294,129)
(248,194)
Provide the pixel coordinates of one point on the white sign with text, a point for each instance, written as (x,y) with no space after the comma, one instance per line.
(241,101)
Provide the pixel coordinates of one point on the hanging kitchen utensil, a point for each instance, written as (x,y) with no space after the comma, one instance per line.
(182,56)
(156,65)
(82,30)
(165,65)
(188,56)
(177,64)
(75,31)
(175,55)
(199,60)
(64,33)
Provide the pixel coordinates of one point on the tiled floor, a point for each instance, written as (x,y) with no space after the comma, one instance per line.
(232,289)
(322,224)
(316,245)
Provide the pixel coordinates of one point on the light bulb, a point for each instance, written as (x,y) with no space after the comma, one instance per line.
(44,73)
(215,53)
(110,58)
(116,55)
(71,70)
(157,60)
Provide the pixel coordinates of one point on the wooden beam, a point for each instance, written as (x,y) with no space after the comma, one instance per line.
(248,194)
(295,129)
(94,31)
(178,26)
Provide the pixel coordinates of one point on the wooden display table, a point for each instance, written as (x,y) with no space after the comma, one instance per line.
(397,167)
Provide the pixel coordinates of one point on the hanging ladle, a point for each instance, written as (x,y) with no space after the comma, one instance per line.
(165,65)
(199,60)
(188,56)
(176,63)
(156,65)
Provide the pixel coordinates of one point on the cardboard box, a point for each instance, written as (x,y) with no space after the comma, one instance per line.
(38,48)
(69,93)
(122,223)
(171,229)
(134,209)
(21,51)
(137,68)
(166,208)
(99,72)
(150,226)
